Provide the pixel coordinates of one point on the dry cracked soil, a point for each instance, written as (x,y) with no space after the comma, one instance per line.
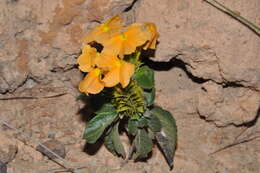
(207,70)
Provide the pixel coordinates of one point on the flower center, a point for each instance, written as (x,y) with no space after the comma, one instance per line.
(118,63)
(96,71)
(105,28)
(123,36)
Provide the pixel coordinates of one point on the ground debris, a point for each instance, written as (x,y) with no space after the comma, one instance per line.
(56,146)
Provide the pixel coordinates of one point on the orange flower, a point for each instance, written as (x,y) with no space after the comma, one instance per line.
(119,71)
(92,83)
(104,30)
(127,41)
(154,36)
(87,59)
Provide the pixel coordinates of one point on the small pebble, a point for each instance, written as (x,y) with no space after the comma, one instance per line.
(54,145)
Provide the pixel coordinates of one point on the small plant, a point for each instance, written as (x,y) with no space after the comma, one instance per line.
(111,57)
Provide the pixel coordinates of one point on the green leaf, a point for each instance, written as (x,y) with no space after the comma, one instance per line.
(143,144)
(109,143)
(132,127)
(153,122)
(151,134)
(149,96)
(167,137)
(142,122)
(113,143)
(145,77)
(99,123)
(106,108)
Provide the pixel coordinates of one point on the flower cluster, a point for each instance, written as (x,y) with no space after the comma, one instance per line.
(109,67)
(111,57)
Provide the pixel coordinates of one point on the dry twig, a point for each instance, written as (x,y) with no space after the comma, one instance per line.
(31,97)
(248,138)
(241,19)
(61,170)
(68,167)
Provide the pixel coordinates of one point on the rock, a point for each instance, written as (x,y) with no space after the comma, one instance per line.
(193,30)
(225,106)
(214,82)
(201,62)
(54,145)
(35,45)
(27,152)
(180,96)
(8,148)
(14,73)
(14,49)
(100,9)
(3,85)
(221,57)
(3,168)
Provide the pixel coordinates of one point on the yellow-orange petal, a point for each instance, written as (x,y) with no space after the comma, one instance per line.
(104,30)
(112,77)
(126,72)
(92,83)
(136,35)
(84,63)
(106,61)
(112,45)
(126,42)
(154,36)
(86,60)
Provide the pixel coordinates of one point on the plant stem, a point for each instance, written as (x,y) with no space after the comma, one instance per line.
(243,20)
(138,53)
(136,57)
